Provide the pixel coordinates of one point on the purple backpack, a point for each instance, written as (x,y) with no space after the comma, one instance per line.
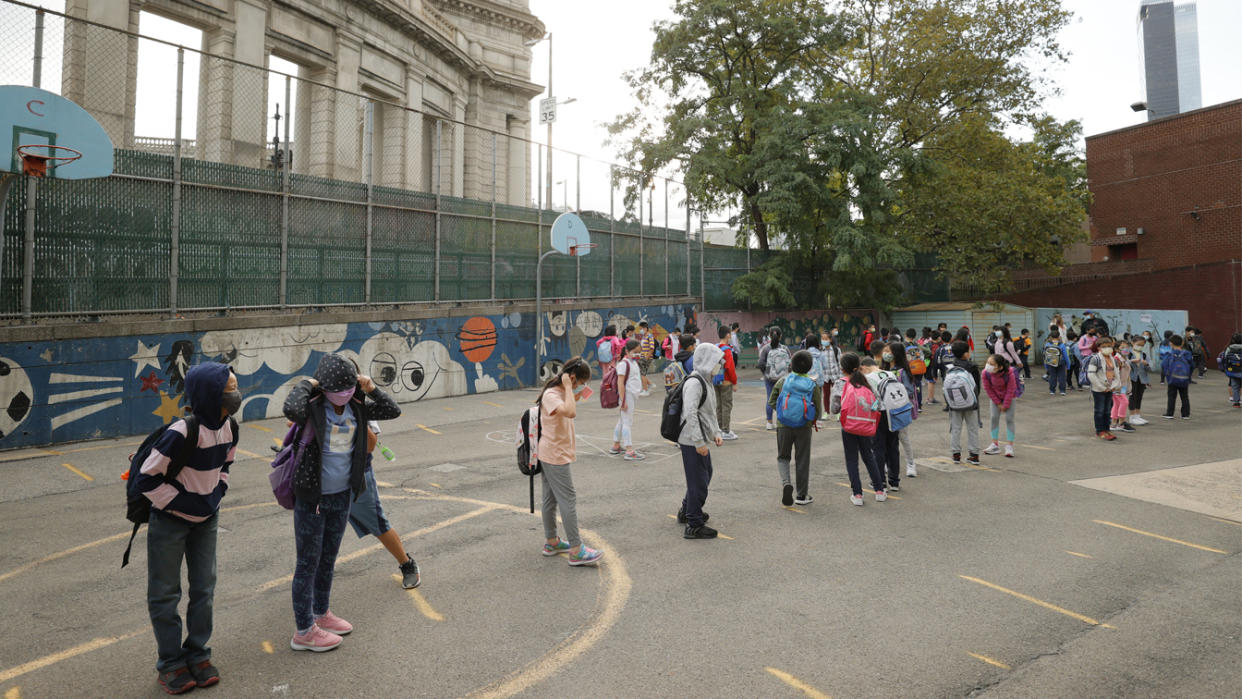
(286,462)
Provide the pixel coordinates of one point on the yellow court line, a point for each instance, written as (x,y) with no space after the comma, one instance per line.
(421,603)
(52,452)
(13,693)
(1034,446)
(75,651)
(267,647)
(1162,538)
(1080,555)
(426,429)
(794,509)
(494,405)
(436,485)
(71,467)
(278,441)
(797,683)
(260,428)
(447,409)
(978,468)
(384,484)
(1032,600)
(989,661)
(249,454)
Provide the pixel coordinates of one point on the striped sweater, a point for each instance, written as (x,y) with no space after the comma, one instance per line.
(196,493)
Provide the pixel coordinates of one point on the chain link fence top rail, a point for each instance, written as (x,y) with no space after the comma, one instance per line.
(348,198)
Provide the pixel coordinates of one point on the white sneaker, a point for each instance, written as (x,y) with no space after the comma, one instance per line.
(770,426)
(993,448)
(1009,450)
(728,435)
(880,496)
(857,500)
(644,393)
(911,470)
(1137,420)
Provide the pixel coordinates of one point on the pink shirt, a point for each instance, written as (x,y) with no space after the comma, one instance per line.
(557,442)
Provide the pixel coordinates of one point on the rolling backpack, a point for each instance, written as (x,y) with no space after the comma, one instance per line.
(528,463)
(895,400)
(914,357)
(795,406)
(778,363)
(1180,369)
(137,505)
(859,411)
(671,414)
(609,397)
(959,389)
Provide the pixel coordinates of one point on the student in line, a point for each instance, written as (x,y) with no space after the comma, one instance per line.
(645,355)
(1178,366)
(183,525)
(1056,362)
(774,362)
(630,385)
(558,449)
(1000,381)
(336,405)
(961,389)
(1073,375)
(698,429)
(798,402)
(726,384)
(886,444)
(856,404)
(1230,362)
(1139,378)
(1104,375)
(900,365)
(1121,394)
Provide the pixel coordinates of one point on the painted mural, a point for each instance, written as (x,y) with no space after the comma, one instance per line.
(1120,321)
(106,387)
(793,324)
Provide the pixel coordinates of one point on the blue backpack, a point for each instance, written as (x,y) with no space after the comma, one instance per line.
(1180,368)
(795,406)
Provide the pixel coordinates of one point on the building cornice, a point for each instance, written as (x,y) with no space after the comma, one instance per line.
(528,25)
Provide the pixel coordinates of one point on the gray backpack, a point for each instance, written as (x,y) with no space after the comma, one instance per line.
(959,390)
(778,363)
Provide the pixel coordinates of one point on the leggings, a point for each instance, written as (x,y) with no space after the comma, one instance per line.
(318,529)
(1120,404)
(904,437)
(1009,419)
(558,490)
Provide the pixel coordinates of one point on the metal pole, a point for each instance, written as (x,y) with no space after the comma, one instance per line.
(702,275)
(688,224)
(666,260)
(493,216)
(641,256)
(174,247)
(551,96)
(439,158)
(32,187)
(285,163)
(612,231)
(539,312)
(577,209)
(538,241)
(37,77)
(368,154)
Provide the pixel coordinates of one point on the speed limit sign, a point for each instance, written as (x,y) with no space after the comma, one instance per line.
(547,110)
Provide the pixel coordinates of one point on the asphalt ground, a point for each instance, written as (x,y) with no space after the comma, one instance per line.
(1031,576)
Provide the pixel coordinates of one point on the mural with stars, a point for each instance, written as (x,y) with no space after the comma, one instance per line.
(69,390)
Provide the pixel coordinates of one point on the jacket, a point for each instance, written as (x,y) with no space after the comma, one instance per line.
(832,362)
(1097,373)
(1002,388)
(817,395)
(646,347)
(1006,349)
(730,371)
(306,402)
(686,358)
(700,428)
(1139,362)
(1086,346)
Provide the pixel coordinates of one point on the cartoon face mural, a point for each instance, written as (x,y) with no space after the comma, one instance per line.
(425,370)
(557,323)
(248,350)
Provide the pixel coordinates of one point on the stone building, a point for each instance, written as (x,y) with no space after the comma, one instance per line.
(421,62)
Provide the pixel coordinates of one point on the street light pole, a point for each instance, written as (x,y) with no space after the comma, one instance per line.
(551,95)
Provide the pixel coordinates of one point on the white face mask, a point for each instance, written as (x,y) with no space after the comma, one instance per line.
(991,368)
(997,333)
(1106,351)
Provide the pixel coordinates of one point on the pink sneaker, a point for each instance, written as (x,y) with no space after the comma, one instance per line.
(334,624)
(316,640)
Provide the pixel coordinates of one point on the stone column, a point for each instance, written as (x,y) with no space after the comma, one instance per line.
(414,152)
(458,146)
(100,66)
(350,111)
(517,193)
(477,149)
(232,104)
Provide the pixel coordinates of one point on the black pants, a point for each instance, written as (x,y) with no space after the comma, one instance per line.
(1174,392)
(1026,365)
(794,441)
(1201,363)
(857,446)
(1136,395)
(887,451)
(698,469)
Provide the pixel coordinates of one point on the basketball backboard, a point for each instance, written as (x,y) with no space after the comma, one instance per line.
(33,117)
(570,235)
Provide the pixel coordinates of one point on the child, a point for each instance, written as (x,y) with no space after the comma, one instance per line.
(1056,362)
(1072,376)
(611,351)
(671,345)
(854,390)
(557,449)
(183,524)
(336,405)
(886,444)
(774,362)
(1121,394)
(1230,362)
(1103,372)
(1139,380)
(1024,351)
(900,363)
(366,516)
(1177,367)
(726,386)
(1000,380)
(1166,348)
(798,402)
(699,427)
(645,354)
(965,413)
(630,381)
(685,355)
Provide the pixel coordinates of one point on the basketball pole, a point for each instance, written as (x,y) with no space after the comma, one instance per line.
(6,183)
(539,312)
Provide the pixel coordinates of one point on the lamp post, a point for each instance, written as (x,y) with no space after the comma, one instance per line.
(1141,106)
(551,96)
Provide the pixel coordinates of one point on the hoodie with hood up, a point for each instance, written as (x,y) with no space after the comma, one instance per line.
(196,492)
(699,429)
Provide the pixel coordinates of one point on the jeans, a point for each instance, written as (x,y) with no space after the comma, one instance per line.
(558,489)
(887,452)
(698,468)
(623,433)
(317,532)
(856,446)
(789,441)
(1235,389)
(169,539)
(767,395)
(1056,378)
(1174,392)
(1103,402)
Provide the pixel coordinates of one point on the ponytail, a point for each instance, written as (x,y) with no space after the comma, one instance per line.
(575,367)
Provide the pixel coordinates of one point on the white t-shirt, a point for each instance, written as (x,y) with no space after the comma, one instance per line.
(632,380)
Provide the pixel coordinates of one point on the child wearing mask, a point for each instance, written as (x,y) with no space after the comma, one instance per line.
(1230,362)
(698,429)
(1000,381)
(1140,360)
(1121,395)
(1104,375)
(855,390)
(1178,366)
(630,383)
(1056,362)
(805,398)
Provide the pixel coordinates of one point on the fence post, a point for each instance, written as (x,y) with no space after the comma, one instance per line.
(368,154)
(439,158)
(689,288)
(642,258)
(702,275)
(493,216)
(612,230)
(284,201)
(578,210)
(174,247)
(32,187)
(666,262)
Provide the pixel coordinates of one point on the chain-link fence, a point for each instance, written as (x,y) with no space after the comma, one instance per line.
(263,186)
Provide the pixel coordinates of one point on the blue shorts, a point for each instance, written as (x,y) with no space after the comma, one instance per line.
(366,514)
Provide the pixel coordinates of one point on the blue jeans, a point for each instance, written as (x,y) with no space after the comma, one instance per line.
(317,531)
(698,470)
(169,539)
(767,395)
(1103,405)
(1056,377)
(1235,389)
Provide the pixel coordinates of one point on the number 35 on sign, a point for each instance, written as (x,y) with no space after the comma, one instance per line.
(547,110)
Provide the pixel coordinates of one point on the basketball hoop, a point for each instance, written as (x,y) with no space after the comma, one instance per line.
(583,247)
(36,165)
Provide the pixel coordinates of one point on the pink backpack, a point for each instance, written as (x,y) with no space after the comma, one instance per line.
(609,397)
(858,414)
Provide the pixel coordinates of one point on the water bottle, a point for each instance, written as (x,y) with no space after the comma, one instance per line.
(387,453)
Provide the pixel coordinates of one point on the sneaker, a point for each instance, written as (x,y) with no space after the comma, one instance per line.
(634,456)
(562,546)
(177,681)
(334,624)
(787,495)
(1167,417)
(1062,392)
(1111,428)
(614,450)
(1185,417)
(316,640)
(957,457)
(857,500)
(973,459)
(1052,393)
(205,674)
(703,532)
(1108,436)
(644,393)
(933,401)
(1009,450)
(770,427)
(911,470)
(894,488)
(1136,420)
(728,435)
(880,496)
(1126,427)
(993,448)
(681,516)
(410,576)
(586,556)
(805,500)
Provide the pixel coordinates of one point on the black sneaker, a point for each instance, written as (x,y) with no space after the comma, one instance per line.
(205,674)
(957,457)
(177,681)
(787,495)
(703,532)
(973,459)
(410,577)
(1125,427)
(894,488)
(681,516)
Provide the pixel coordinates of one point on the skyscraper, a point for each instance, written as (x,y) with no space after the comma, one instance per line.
(1169,36)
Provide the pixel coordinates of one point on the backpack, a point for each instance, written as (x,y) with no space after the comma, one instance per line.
(895,400)
(1233,363)
(609,396)
(674,373)
(1195,344)
(137,505)
(859,411)
(671,414)
(946,355)
(1052,355)
(959,389)
(1013,373)
(778,363)
(603,350)
(286,462)
(816,373)
(914,357)
(1165,350)
(719,376)
(528,462)
(1084,379)
(795,406)
(1180,369)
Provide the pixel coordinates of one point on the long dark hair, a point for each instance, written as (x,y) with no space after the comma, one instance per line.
(899,357)
(630,345)
(776,338)
(812,340)
(850,363)
(575,367)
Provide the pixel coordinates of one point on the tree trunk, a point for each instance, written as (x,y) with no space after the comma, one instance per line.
(756,219)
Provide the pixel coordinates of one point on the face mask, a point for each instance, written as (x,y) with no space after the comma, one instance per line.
(991,368)
(887,356)
(231,402)
(339,398)
(834,333)
(997,333)
(1106,351)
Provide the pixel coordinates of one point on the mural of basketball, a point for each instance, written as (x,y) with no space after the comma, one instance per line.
(478,338)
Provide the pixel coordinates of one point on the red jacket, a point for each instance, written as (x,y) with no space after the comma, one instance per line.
(730,370)
(1002,388)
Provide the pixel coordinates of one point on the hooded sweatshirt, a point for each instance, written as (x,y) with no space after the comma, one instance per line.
(699,429)
(682,355)
(196,492)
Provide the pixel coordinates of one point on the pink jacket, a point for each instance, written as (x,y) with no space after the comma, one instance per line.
(1002,388)
(1086,346)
